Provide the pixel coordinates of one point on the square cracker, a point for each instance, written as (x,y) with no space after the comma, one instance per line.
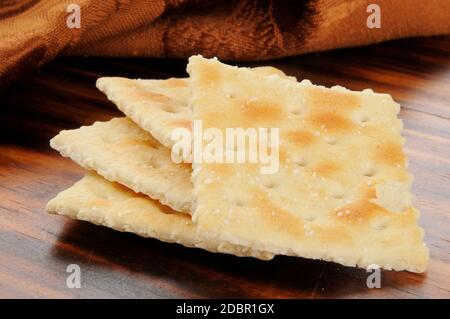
(342,191)
(100,202)
(159,106)
(122,152)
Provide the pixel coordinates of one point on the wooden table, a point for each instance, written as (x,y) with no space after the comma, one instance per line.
(36,248)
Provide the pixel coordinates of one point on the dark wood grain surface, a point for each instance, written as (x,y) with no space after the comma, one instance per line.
(36,248)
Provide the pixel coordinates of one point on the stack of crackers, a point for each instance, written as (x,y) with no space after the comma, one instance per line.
(341,191)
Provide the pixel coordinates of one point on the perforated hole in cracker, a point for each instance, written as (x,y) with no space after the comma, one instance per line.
(296,110)
(379,224)
(300,161)
(363,118)
(337,194)
(370,172)
(269,183)
(240,202)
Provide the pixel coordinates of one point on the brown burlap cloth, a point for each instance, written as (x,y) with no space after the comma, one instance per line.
(32,32)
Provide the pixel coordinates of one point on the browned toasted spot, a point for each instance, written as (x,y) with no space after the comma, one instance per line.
(331,100)
(301,137)
(255,111)
(277,219)
(282,221)
(370,193)
(390,153)
(186,166)
(361,211)
(331,122)
(182,123)
(97,201)
(152,143)
(282,154)
(175,83)
(327,169)
(207,74)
